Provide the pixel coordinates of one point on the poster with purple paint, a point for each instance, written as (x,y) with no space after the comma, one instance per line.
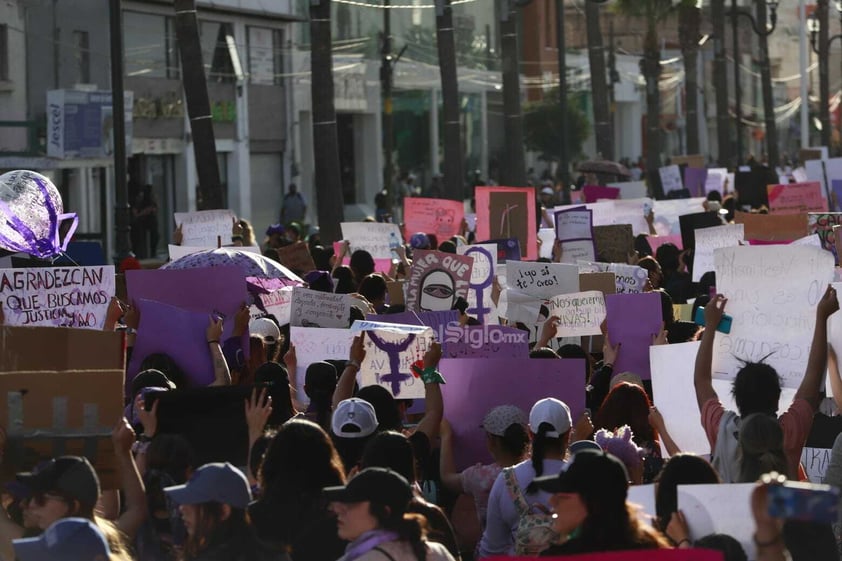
(57,296)
(694,181)
(484,341)
(475,384)
(480,303)
(178,333)
(437,279)
(633,319)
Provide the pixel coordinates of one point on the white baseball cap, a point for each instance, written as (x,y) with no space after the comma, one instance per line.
(354,418)
(551,411)
(266,329)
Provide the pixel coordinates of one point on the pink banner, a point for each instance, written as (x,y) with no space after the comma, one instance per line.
(508,212)
(657,241)
(796,198)
(380,265)
(593,193)
(633,319)
(441,217)
(475,386)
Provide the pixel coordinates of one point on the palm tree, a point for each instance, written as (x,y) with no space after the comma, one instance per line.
(689,22)
(653,12)
(599,86)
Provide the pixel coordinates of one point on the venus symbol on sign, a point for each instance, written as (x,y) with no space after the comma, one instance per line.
(395,377)
(480,310)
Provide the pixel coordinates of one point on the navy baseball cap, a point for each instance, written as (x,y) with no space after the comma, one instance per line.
(68,539)
(216,482)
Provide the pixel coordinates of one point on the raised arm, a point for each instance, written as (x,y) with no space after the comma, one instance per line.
(130,481)
(834,376)
(345,387)
(817,363)
(434,412)
(702,376)
(221,373)
(657,422)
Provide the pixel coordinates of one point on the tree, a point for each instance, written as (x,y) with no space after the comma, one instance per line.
(453,177)
(689,22)
(720,82)
(542,126)
(599,86)
(653,13)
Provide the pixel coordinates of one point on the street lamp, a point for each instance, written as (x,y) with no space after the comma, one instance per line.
(820,44)
(764,32)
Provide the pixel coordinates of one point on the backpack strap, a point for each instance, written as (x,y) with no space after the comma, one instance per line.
(384,552)
(515,491)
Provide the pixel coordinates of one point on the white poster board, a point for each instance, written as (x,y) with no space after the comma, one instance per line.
(205,228)
(709,239)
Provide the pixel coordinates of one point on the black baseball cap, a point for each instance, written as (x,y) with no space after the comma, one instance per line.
(377,485)
(151,378)
(71,476)
(592,474)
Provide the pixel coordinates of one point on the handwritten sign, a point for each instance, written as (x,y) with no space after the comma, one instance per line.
(633,319)
(311,308)
(796,198)
(441,217)
(671,178)
(480,286)
(708,239)
(614,243)
(205,228)
(57,296)
(579,250)
(579,313)
(574,224)
(391,349)
(542,280)
(437,279)
(508,212)
(296,257)
(377,238)
(277,303)
(815,462)
(772,294)
(313,345)
(630,279)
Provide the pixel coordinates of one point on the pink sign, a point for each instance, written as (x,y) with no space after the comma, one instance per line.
(593,193)
(380,265)
(441,217)
(796,198)
(657,241)
(508,212)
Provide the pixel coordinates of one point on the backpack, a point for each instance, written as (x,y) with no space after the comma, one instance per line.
(534,531)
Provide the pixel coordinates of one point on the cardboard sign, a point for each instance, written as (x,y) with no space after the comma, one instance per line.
(480,286)
(205,228)
(796,198)
(296,257)
(822,224)
(574,224)
(277,303)
(772,294)
(311,308)
(614,243)
(579,250)
(671,178)
(594,193)
(721,509)
(313,345)
(629,279)
(695,180)
(579,313)
(633,319)
(475,385)
(542,280)
(441,217)
(377,238)
(766,227)
(709,239)
(437,279)
(48,405)
(631,189)
(391,349)
(57,296)
(508,212)
(485,341)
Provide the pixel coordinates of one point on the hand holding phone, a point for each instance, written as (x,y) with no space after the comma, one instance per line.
(806,502)
(724,325)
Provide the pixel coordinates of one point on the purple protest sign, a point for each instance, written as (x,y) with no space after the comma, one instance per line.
(437,321)
(485,341)
(632,320)
(475,386)
(178,333)
(694,181)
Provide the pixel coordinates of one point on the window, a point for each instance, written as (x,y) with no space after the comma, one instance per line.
(150,45)
(216,55)
(265,55)
(4,52)
(82,57)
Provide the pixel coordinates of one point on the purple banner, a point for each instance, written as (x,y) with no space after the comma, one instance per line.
(475,386)
(485,341)
(694,181)
(632,320)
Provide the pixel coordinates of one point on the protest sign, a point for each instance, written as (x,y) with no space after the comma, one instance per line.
(437,279)
(708,239)
(575,251)
(507,250)
(814,170)
(633,212)
(519,307)
(574,224)
(546,239)
(811,240)
(484,341)
(313,344)
(508,212)
(671,178)
(437,321)
(311,308)
(579,313)
(822,224)
(633,319)
(615,243)
(657,241)
(296,257)
(594,193)
(632,555)
(719,509)
(479,299)
(695,180)
(766,227)
(772,294)
(542,280)
(796,198)
(644,497)
(630,279)
(205,228)
(277,303)
(815,462)
(602,282)
(377,238)
(715,180)
(442,217)
(475,385)
(57,296)
(630,189)
(391,349)
(689,223)
(667,213)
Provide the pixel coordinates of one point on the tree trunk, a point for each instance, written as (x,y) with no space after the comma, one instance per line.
(824,71)
(651,70)
(122,211)
(766,83)
(454,179)
(209,191)
(514,163)
(387,122)
(599,87)
(720,83)
(328,180)
(689,22)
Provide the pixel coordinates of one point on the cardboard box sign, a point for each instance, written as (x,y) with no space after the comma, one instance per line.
(767,227)
(61,392)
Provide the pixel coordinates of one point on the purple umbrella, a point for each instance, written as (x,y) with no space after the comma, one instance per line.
(252,264)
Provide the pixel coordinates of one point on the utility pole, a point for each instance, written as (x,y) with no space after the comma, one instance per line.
(386,81)
(564,150)
(720,81)
(122,216)
(738,90)
(514,167)
(824,70)
(772,155)
(209,191)
(328,180)
(599,85)
(454,178)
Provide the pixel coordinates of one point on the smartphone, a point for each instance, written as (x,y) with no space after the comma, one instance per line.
(806,502)
(724,324)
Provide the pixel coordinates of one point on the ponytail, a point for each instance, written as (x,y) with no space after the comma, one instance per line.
(539,444)
(410,528)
